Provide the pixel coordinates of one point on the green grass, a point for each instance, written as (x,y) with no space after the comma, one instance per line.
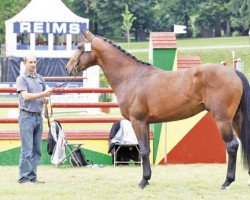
(135,45)
(174,182)
(195,42)
(220,41)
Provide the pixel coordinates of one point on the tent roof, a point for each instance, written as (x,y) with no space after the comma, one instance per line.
(47,11)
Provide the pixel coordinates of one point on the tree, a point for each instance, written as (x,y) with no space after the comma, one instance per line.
(86,9)
(210,17)
(245,14)
(8,9)
(240,14)
(105,16)
(128,19)
(144,13)
(170,12)
(200,16)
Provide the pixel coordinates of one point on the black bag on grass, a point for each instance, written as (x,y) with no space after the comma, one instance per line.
(78,159)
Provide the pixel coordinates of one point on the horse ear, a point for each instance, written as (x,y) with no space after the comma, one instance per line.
(84,34)
(87,34)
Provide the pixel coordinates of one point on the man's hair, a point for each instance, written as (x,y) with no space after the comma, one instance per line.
(25,58)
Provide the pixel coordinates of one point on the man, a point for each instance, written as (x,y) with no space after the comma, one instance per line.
(32,92)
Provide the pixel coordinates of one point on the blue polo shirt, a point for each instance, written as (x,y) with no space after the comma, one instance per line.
(30,84)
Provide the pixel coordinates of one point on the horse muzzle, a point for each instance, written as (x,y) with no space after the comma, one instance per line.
(72,71)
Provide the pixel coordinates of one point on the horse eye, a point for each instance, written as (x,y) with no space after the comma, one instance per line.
(79,46)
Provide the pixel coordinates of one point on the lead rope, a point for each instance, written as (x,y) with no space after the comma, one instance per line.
(46,111)
(48,115)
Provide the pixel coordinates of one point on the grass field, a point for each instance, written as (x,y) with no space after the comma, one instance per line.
(171,182)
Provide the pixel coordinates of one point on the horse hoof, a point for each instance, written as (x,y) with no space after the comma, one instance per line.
(225,185)
(143,184)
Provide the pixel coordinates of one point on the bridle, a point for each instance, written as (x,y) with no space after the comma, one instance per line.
(77,58)
(77,61)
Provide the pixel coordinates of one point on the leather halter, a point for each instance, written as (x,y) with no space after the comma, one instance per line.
(77,59)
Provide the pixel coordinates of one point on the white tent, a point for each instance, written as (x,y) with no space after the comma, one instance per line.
(53,21)
(47,18)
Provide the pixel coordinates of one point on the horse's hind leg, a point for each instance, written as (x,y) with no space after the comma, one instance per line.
(232,144)
(237,124)
(232,147)
(142,132)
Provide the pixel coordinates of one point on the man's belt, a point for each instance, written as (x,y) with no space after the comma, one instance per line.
(32,113)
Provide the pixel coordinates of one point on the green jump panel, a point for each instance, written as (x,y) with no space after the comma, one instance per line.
(11,156)
(164,58)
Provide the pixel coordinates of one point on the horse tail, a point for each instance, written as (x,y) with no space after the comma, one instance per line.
(244,108)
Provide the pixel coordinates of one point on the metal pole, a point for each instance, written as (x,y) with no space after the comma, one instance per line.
(249,35)
(165,144)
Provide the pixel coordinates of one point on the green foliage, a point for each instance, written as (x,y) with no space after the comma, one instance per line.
(143,11)
(236,33)
(103,83)
(240,10)
(105,15)
(210,15)
(128,19)
(173,12)
(8,9)
(200,16)
(105,97)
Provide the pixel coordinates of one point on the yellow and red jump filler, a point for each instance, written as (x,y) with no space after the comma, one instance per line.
(184,141)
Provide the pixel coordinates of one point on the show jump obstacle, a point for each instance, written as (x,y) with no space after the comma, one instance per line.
(95,140)
(189,140)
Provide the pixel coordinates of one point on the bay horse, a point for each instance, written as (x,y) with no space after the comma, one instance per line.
(147,94)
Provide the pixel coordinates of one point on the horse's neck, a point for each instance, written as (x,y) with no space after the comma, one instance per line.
(116,65)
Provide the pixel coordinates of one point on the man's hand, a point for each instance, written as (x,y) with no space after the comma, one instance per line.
(47,92)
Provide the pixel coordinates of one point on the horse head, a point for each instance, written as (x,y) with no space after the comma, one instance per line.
(83,57)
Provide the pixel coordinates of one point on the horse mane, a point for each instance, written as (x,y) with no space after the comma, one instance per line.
(124,51)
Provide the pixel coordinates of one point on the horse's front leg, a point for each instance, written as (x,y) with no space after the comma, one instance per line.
(142,132)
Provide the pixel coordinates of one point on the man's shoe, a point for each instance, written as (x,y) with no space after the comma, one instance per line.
(23,181)
(37,181)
